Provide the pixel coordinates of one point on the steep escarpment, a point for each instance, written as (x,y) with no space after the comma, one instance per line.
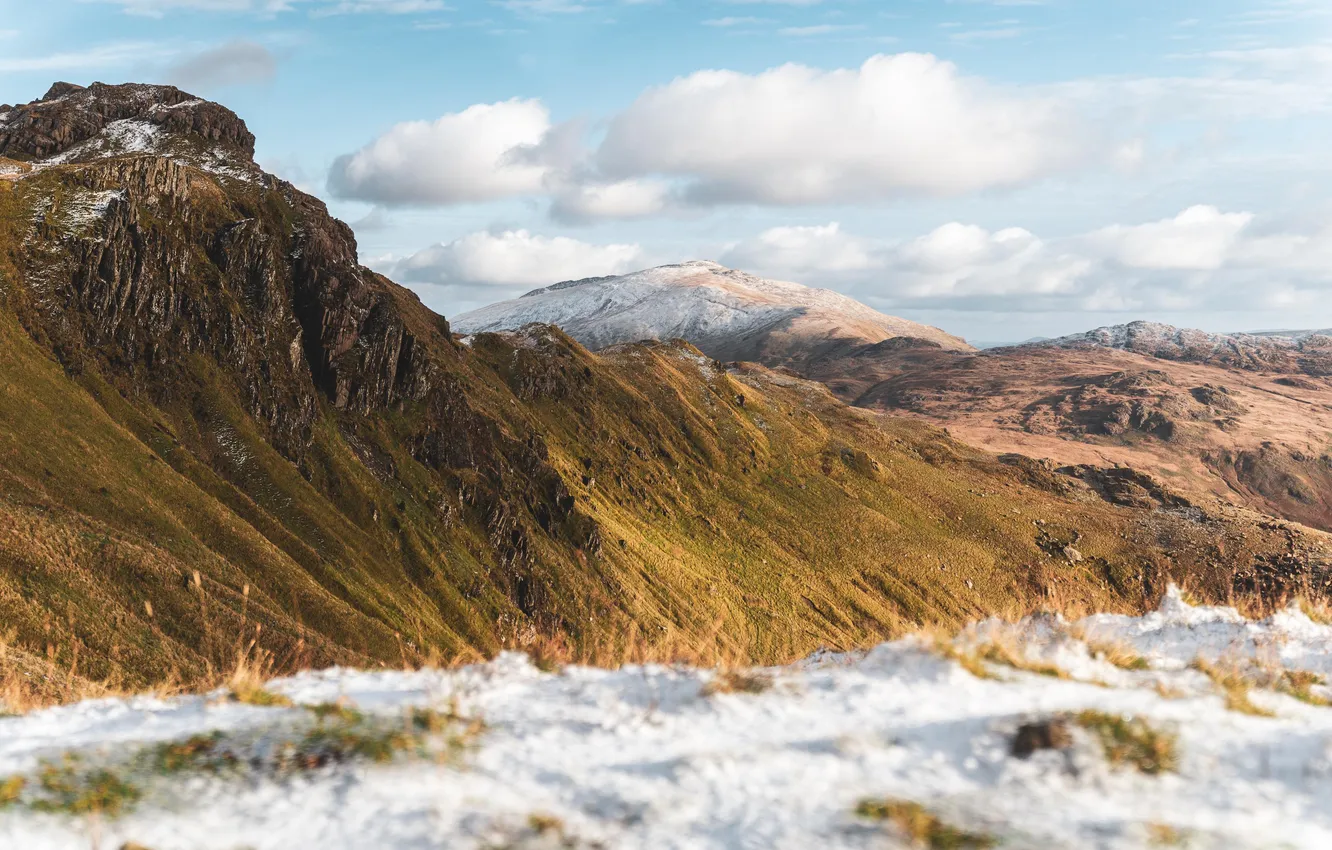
(217,428)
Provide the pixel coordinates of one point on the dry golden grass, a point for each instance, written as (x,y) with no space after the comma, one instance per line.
(1234,684)
(738,682)
(1132,741)
(920,827)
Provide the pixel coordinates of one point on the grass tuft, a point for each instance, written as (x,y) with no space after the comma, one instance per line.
(1300,684)
(1234,685)
(68,788)
(198,754)
(1132,741)
(920,827)
(738,682)
(11,789)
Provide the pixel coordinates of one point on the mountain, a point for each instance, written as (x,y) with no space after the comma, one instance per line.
(728,314)
(218,428)
(1307,352)
(1239,417)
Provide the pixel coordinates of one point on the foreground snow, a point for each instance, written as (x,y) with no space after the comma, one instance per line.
(644,758)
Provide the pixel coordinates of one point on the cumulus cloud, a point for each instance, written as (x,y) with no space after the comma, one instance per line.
(1201,259)
(625,199)
(1200,238)
(469,156)
(804,250)
(904,124)
(909,123)
(515,258)
(236,63)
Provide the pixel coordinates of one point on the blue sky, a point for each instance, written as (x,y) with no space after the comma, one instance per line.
(1002,169)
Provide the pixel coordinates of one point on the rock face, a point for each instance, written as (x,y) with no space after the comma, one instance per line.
(69,115)
(728,314)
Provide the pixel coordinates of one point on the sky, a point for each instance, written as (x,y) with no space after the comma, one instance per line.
(1003,169)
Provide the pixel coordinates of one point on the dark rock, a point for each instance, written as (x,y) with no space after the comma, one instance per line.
(1052,734)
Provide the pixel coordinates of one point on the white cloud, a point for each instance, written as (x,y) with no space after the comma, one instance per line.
(1200,239)
(469,156)
(733,21)
(625,199)
(908,123)
(803,250)
(515,258)
(1201,259)
(114,55)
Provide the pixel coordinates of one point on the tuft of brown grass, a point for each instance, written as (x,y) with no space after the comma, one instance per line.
(920,827)
(1234,684)
(1120,655)
(1132,741)
(738,682)
(249,679)
(1165,835)
(1300,684)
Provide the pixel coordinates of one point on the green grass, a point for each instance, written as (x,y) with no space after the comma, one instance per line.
(67,787)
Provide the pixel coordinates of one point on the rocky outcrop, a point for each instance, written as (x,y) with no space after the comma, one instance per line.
(144,268)
(68,115)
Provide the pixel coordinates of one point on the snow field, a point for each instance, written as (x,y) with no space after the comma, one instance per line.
(652,757)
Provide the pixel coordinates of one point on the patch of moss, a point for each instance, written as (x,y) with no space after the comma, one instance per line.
(198,754)
(1132,741)
(69,788)
(921,827)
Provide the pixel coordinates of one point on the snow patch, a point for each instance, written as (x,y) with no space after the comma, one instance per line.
(88,208)
(642,757)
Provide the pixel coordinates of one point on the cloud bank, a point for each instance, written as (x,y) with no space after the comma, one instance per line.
(1201,259)
(907,124)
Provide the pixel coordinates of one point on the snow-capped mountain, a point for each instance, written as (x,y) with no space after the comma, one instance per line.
(1282,351)
(728,314)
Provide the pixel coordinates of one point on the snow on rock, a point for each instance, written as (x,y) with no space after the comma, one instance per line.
(720,310)
(1155,337)
(646,757)
(119,138)
(87,208)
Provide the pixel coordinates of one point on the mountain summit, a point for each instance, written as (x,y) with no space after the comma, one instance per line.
(728,314)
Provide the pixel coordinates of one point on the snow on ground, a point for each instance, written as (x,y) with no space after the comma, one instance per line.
(644,757)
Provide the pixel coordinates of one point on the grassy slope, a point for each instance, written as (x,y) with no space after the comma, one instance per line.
(741,516)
